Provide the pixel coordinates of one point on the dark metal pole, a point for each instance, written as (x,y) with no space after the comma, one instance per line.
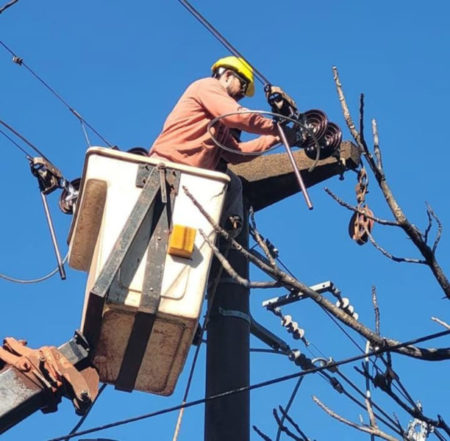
(227,356)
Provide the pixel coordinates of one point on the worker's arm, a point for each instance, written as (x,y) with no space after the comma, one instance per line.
(214,98)
(258,145)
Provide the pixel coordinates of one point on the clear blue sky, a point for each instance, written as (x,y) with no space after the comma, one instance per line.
(122,65)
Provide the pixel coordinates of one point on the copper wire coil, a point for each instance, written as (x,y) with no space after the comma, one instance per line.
(329,142)
(317,122)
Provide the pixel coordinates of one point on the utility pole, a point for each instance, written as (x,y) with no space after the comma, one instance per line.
(266,180)
(227,354)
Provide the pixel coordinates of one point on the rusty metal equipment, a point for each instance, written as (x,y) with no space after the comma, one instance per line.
(37,379)
(361,222)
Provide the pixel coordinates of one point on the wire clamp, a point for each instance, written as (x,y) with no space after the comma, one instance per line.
(17,60)
(236,314)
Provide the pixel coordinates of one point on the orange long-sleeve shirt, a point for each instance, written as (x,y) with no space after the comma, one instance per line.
(185,139)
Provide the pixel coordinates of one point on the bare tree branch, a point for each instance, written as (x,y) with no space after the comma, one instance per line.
(260,240)
(441,322)
(389,255)
(431,213)
(345,110)
(376,146)
(376,309)
(230,270)
(283,428)
(288,281)
(357,210)
(367,429)
(294,424)
(410,229)
(261,434)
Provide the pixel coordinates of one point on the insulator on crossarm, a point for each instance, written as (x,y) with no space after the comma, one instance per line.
(344,304)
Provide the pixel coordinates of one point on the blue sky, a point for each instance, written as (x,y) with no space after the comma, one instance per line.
(122,65)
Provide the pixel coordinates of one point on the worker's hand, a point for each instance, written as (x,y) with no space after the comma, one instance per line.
(291,136)
(280,101)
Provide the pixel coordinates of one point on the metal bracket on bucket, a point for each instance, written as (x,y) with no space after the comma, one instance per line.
(147,227)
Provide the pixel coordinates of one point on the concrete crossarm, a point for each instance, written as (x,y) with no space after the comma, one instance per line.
(269,179)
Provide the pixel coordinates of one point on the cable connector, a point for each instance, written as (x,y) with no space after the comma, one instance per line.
(48,176)
(336,385)
(17,60)
(301,360)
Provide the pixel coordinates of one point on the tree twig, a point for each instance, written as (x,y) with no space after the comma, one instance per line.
(441,322)
(231,271)
(367,429)
(376,146)
(294,424)
(261,434)
(262,243)
(376,310)
(431,212)
(357,210)
(283,428)
(391,256)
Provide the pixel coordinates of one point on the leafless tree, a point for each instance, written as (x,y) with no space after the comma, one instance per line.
(383,376)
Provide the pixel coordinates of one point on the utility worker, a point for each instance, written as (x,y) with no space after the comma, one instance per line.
(186,140)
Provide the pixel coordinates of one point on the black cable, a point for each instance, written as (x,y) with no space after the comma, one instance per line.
(11,129)
(259,385)
(30,281)
(222,40)
(83,418)
(16,144)
(20,62)
(357,389)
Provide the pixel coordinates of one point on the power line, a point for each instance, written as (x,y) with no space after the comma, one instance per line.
(8,5)
(16,144)
(25,140)
(258,385)
(18,60)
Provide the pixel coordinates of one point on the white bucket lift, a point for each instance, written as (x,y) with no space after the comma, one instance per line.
(134,232)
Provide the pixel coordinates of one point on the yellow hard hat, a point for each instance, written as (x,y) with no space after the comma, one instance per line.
(240,66)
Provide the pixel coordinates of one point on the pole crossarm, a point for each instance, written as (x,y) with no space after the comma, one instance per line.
(269,179)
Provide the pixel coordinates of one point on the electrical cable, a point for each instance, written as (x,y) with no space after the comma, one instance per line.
(360,392)
(11,129)
(259,385)
(20,62)
(16,144)
(405,393)
(83,418)
(259,76)
(400,387)
(31,281)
